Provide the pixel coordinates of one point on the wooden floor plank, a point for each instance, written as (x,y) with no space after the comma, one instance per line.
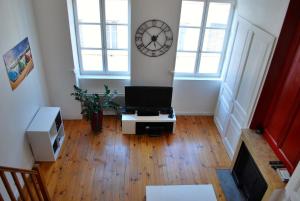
(111,166)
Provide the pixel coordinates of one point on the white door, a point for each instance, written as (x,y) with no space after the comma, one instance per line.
(238,96)
(236,62)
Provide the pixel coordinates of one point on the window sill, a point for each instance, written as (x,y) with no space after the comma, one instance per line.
(104,77)
(197,78)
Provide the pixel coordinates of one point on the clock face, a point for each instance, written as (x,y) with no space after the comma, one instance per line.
(154,38)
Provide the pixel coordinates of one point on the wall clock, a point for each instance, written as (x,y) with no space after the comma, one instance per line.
(153,38)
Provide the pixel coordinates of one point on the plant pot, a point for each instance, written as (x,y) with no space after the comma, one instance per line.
(96,121)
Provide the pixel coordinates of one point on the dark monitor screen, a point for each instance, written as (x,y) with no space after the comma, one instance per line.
(141,96)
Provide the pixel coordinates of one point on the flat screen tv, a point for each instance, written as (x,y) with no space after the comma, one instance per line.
(146,96)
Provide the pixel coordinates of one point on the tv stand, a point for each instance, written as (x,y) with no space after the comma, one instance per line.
(153,125)
(147,112)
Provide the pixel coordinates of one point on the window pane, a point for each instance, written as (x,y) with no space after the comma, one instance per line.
(88,11)
(218,14)
(188,39)
(191,13)
(90,36)
(116,11)
(117,60)
(91,60)
(213,40)
(185,62)
(117,36)
(209,63)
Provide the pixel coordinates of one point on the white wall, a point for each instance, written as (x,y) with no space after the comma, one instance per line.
(97,85)
(195,97)
(190,97)
(53,30)
(266,14)
(18,107)
(154,71)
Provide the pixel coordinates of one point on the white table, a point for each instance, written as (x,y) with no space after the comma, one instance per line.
(181,193)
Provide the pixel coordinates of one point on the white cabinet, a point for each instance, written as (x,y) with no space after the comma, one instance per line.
(46,134)
(130,121)
(240,89)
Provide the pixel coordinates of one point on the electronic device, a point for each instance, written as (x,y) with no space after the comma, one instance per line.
(166,110)
(151,101)
(171,115)
(276,164)
(141,97)
(284,174)
(142,112)
(129,111)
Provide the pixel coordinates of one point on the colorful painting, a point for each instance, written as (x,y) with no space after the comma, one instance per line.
(18,62)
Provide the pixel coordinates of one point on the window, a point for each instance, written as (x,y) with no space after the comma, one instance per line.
(102,36)
(203,33)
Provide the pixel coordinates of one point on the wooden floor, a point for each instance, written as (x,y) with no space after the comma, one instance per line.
(112,166)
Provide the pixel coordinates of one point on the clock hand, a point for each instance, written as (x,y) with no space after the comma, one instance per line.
(149,43)
(160,32)
(154,44)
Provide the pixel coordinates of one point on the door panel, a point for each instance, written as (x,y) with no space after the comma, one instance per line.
(223,109)
(239,113)
(221,116)
(232,135)
(236,61)
(254,70)
(284,125)
(286,103)
(238,55)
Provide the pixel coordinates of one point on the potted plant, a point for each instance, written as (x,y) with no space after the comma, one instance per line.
(92,105)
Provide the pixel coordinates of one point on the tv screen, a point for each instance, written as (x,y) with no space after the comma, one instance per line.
(140,96)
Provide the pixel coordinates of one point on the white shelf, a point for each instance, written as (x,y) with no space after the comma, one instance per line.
(159,118)
(42,134)
(53,137)
(44,119)
(129,121)
(59,147)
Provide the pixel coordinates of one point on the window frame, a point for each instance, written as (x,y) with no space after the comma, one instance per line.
(198,52)
(104,49)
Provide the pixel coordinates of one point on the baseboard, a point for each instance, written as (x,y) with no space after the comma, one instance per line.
(178,113)
(72,117)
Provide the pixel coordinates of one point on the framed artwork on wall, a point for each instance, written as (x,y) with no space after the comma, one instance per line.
(18,62)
